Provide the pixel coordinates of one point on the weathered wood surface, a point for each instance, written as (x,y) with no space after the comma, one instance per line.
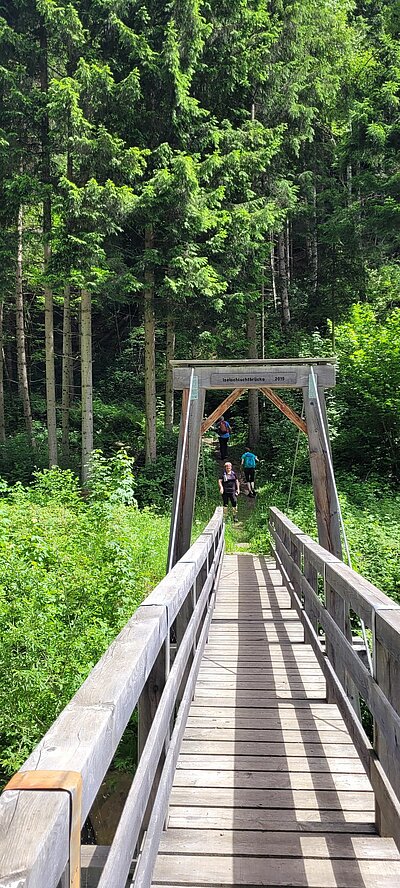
(254,374)
(344,589)
(269,789)
(220,410)
(34,826)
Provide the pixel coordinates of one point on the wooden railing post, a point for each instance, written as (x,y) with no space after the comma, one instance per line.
(295,552)
(311,575)
(147,708)
(339,609)
(323,484)
(387,675)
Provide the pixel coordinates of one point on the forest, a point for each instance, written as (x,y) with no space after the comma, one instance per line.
(182,179)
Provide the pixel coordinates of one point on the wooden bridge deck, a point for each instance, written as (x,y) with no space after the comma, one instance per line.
(269,789)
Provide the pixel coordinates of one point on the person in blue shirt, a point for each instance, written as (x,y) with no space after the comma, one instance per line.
(224,433)
(248,462)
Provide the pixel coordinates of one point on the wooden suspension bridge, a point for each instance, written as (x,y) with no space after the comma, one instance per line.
(254,767)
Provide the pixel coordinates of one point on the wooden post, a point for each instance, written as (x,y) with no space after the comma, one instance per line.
(387,675)
(147,707)
(311,575)
(186,475)
(324,493)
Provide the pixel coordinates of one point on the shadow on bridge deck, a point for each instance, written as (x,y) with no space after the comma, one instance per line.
(269,789)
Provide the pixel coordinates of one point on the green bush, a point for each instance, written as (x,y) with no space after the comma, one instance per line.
(71,575)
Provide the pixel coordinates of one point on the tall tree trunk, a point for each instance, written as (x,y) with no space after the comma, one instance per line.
(169,385)
(263,312)
(283,282)
(48,292)
(150,351)
(349,182)
(2,420)
(22,367)
(86,381)
(288,259)
(66,372)
(314,243)
(254,417)
(50,370)
(273,271)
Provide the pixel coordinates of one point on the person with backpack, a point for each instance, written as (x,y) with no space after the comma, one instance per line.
(248,462)
(229,488)
(224,433)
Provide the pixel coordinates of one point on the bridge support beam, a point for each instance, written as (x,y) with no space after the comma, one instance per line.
(328,522)
(186,472)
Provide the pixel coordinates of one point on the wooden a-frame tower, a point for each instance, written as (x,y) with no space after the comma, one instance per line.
(194,378)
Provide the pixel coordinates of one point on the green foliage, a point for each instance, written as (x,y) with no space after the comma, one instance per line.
(111,479)
(68,583)
(368,396)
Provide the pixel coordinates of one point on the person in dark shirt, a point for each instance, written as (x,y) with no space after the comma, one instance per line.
(229,488)
(224,432)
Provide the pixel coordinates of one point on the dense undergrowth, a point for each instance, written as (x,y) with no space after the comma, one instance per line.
(71,574)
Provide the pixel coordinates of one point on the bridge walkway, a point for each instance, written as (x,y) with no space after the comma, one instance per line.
(269,789)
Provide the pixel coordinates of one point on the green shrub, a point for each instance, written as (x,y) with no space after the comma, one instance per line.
(71,575)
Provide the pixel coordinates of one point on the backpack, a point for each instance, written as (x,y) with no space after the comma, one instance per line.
(223,428)
(249,461)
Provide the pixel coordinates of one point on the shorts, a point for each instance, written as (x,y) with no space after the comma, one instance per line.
(249,474)
(229,496)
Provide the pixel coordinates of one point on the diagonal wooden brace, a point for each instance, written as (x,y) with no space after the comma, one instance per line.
(284,408)
(219,411)
(58,781)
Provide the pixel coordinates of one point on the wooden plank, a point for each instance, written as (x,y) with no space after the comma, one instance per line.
(275,844)
(285,409)
(273,798)
(261,726)
(291,735)
(274,705)
(220,410)
(261,697)
(224,870)
(256,760)
(226,747)
(272,780)
(197,817)
(238,362)
(254,374)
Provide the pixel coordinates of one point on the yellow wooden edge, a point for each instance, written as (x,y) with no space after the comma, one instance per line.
(58,781)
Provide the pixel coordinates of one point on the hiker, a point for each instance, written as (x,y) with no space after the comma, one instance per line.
(248,462)
(229,488)
(224,433)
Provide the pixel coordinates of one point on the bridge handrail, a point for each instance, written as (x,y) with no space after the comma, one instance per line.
(136,669)
(325,593)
